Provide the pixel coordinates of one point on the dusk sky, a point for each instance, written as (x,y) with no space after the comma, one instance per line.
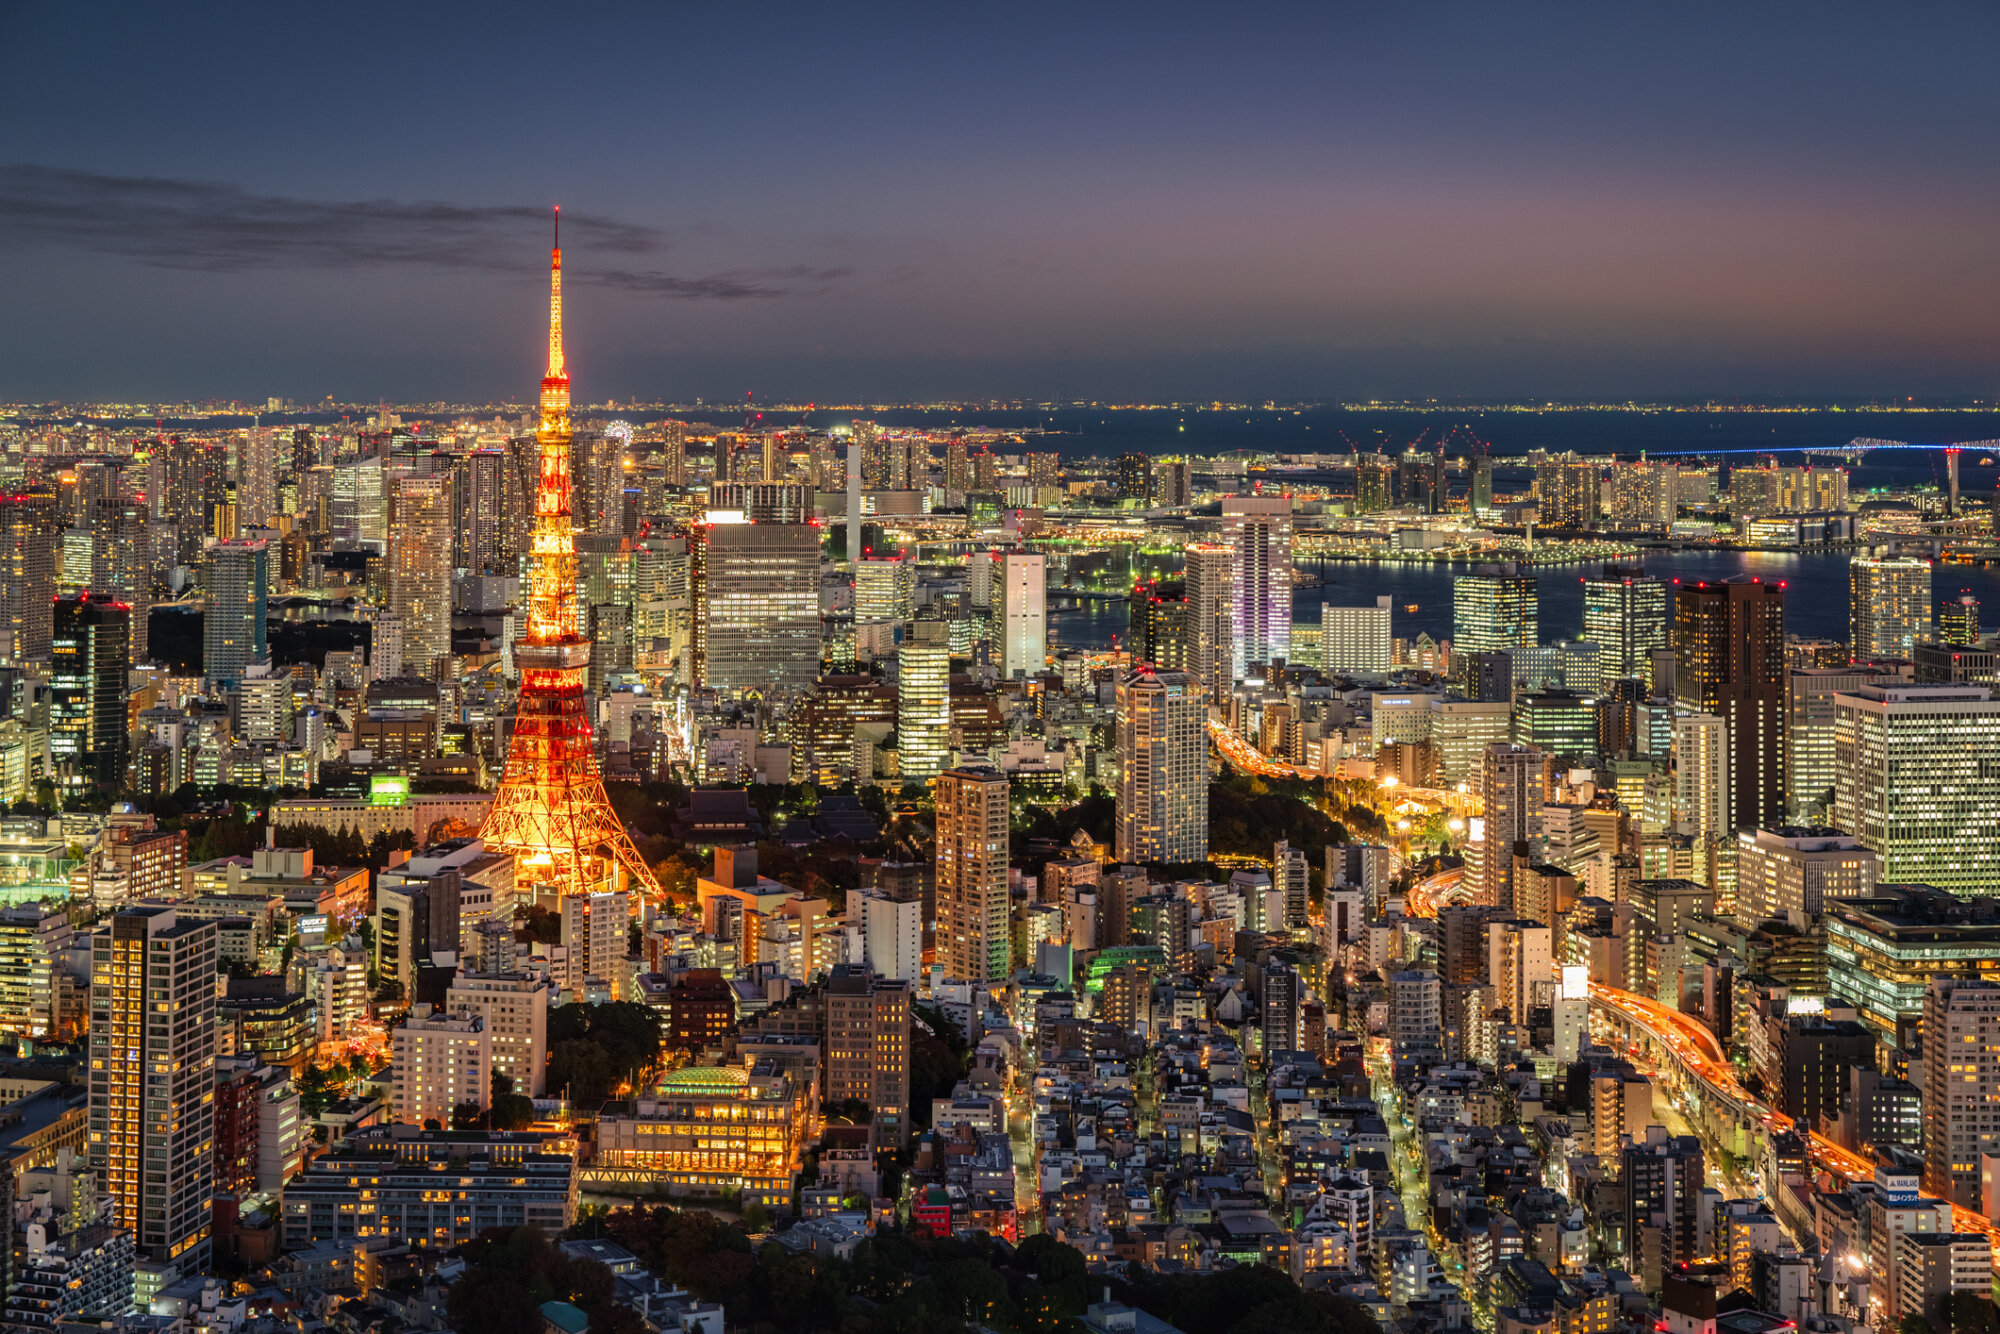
(1077,200)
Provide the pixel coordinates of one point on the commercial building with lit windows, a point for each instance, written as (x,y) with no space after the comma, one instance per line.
(1882,950)
(1494,610)
(1917,778)
(710,1129)
(432,1188)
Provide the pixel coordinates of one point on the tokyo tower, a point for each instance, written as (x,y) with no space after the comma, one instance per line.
(551,811)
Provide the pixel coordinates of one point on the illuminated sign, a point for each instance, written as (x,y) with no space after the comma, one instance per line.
(388,790)
(314,925)
(1575,981)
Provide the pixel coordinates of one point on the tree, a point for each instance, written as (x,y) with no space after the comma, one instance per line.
(467,1116)
(582,1070)
(510,1111)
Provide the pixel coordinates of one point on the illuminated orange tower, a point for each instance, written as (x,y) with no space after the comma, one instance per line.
(551,811)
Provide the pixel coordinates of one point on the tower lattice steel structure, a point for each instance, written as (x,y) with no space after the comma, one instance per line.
(551,811)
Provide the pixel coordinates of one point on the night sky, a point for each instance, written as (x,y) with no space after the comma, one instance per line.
(850,202)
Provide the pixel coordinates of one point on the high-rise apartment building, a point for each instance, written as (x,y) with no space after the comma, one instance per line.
(868,1047)
(923,701)
(1024,628)
(1162,768)
(1355,639)
(152,1077)
(513,1009)
(1888,606)
(1961,1086)
(1625,613)
(1133,475)
(27,574)
(1644,495)
(1211,616)
(1663,1179)
(420,537)
(1729,660)
(232,623)
(1917,779)
(972,844)
(482,530)
(1510,792)
(1258,532)
(755,588)
(1494,610)
(439,1062)
(91,659)
(1701,775)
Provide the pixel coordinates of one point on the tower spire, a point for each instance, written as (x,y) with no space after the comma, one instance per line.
(556,370)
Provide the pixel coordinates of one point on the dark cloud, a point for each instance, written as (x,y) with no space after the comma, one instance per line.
(214,227)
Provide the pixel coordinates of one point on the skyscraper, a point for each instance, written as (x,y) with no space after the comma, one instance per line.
(1625,614)
(673,453)
(1729,660)
(27,574)
(152,1077)
(755,589)
(1701,775)
(481,528)
(1494,609)
(420,569)
(1958,619)
(868,1046)
(1917,779)
(232,623)
(1258,531)
(1889,606)
(885,588)
(923,700)
(1162,768)
(1961,1085)
(1159,623)
(1211,616)
(1024,629)
(257,477)
(92,659)
(974,944)
(1134,476)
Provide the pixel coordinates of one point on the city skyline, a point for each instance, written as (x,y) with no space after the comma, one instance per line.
(1084,205)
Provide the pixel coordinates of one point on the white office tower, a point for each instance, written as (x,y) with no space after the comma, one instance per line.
(439,1062)
(357,511)
(892,935)
(1809,726)
(923,701)
(1162,768)
(1024,622)
(973,941)
(1889,606)
(1258,531)
(1211,616)
(1510,793)
(885,588)
(1354,639)
(1780,873)
(1917,778)
(1626,614)
(1701,774)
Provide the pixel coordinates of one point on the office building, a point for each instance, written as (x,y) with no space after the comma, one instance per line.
(1493,611)
(923,701)
(868,1047)
(755,588)
(233,629)
(420,538)
(31,938)
(27,575)
(1024,630)
(973,941)
(1625,613)
(1729,661)
(1809,733)
(1461,730)
(1889,606)
(1211,616)
(1883,951)
(1812,1056)
(1258,532)
(152,1078)
(1961,1086)
(885,588)
(1355,640)
(1795,871)
(384,1182)
(1159,635)
(1162,768)
(1958,620)
(90,660)
(1917,779)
